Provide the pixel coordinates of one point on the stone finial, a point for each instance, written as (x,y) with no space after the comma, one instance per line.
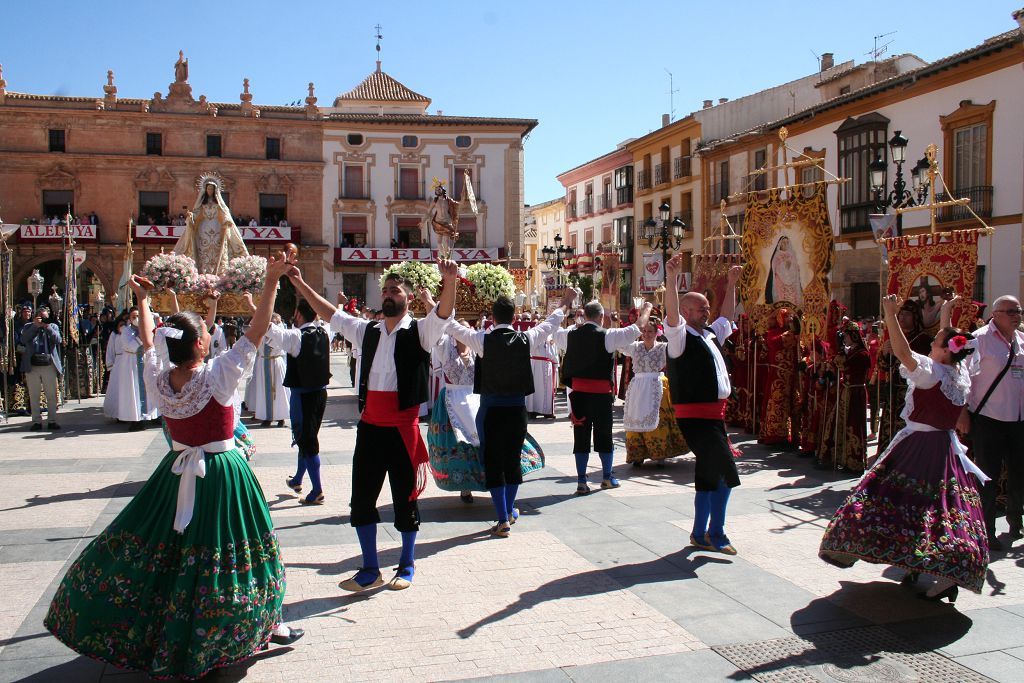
(3,83)
(110,90)
(246,97)
(245,87)
(110,77)
(311,109)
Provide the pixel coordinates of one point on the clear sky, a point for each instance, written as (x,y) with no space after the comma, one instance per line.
(593,73)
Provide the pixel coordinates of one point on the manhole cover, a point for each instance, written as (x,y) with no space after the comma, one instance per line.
(861,655)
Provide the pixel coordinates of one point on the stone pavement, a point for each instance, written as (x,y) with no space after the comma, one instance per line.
(585,589)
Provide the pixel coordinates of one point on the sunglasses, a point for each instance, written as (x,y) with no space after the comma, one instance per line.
(1011,311)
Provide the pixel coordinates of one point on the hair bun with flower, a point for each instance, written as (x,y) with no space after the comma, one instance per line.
(957,343)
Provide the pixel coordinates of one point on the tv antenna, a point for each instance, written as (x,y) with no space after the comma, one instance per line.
(672,90)
(880,50)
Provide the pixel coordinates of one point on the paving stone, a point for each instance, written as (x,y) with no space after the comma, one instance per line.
(999,666)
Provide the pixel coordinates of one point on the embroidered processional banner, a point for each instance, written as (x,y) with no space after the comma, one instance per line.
(787,250)
(927,267)
(710,277)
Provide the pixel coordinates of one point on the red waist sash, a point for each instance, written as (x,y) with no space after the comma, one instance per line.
(382,411)
(704,411)
(592,386)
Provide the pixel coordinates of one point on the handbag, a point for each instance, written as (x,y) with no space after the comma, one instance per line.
(41,360)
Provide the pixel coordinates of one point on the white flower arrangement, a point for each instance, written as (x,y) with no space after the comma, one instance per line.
(172,271)
(419,273)
(244,274)
(491,281)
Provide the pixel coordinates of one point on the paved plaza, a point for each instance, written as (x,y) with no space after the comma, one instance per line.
(589,588)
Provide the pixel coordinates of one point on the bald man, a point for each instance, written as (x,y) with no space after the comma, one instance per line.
(699,385)
(994,414)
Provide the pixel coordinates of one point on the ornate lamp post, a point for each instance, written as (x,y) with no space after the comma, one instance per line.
(554,257)
(900,197)
(35,286)
(667,237)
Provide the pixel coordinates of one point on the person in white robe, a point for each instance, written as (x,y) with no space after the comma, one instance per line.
(266,395)
(544,364)
(127,399)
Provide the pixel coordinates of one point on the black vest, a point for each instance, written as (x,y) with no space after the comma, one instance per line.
(311,369)
(585,355)
(412,365)
(692,377)
(504,369)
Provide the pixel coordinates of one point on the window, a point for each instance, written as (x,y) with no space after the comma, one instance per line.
(979,284)
(623,228)
(606,233)
(273,148)
(606,195)
(213,145)
(463,141)
(154,207)
(273,208)
(407,231)
(355,139)
(354,285)
(970,149)
(859,142)
(56,140)
(353,231)
(733,246)
(760,161)
(410,141)
(58,202)
(352,184)
(810,175)
(967,158)
(844,90)
(722,189)
(467,232)
(154,144)
(588,240)
(409,186)
(623,179)
(864,297)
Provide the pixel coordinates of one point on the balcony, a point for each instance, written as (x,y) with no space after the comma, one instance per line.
(643,180)
(681,167)
(604,202)
(355,190)
(686,216)
(719,191)
(757,182)
(981,204)
(570,210)
(410,190)
(585,206)
(661,175)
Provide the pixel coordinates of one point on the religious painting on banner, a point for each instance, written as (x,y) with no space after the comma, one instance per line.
(710,277)
(927,268)
(787,250)
(610,274)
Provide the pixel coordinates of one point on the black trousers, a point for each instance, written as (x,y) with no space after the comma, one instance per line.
(994,442)
(504,431)
(380,451)
(307,413)
(710,444)
(591,413)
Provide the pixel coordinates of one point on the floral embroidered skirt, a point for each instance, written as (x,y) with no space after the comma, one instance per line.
(142,596)
(917,509)
(457,465)
(666,441)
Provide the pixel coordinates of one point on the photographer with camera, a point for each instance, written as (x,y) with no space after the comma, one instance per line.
(41,364)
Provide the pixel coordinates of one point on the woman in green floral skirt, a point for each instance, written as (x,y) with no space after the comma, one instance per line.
(189,577)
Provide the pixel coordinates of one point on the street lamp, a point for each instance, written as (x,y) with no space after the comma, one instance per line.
(35,286)
(554,257)
(667,237)
(900,197)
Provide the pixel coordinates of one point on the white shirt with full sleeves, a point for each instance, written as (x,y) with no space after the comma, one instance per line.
(217,378)
(289,339)
(720,329)
(614,339)
(474,339)
(383,374)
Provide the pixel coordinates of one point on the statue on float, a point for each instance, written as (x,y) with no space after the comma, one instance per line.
(211,237)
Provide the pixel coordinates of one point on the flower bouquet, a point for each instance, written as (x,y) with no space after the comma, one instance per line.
(206,285)
(244,274)
(172,271)
(419,273)
(490,282)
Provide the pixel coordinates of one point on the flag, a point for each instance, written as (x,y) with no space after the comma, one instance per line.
(124,293)
(467,190)
(883,225)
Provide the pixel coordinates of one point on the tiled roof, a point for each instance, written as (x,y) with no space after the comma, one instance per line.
(428,119)
(379,87)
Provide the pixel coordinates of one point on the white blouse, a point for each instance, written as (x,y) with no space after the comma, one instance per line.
(217,378)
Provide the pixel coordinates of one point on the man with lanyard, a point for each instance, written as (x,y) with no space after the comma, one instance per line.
(393,381)
(699,385)
(307,371)
(588,369)
(994,414)
(41,364)
(504,379)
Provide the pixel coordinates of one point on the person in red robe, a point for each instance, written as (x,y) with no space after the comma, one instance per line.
(815,392)
(780,390)
(853,363)
(872,343)
(737,352)
(759,373)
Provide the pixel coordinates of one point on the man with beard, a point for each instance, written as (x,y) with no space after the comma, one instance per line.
(699,384)
(393,381)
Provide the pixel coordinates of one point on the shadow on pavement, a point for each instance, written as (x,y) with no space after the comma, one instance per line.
(126,489)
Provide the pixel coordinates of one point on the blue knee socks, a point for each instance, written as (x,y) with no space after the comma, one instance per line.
(498,498)
(370,570)
(701,513)
(581,467)
(719,500)
(510,499)
(313,466)
(300,470)
(606,465)
(406,568)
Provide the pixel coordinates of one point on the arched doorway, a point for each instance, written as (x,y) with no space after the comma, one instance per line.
(91,288)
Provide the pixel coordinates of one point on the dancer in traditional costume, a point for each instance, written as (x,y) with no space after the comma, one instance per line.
(699,383)
(266,394)
(394,377)
(648,418)
(544,365)
(589,368)
(128,399)
(503,380)
(189,576)
(918,507)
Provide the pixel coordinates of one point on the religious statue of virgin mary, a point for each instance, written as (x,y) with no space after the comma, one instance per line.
(211,237)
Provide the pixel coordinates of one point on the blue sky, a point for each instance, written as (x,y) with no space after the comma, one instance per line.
(593,73)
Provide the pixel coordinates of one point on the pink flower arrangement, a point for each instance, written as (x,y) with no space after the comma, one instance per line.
(244,274)
(206,284)
(172,271)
